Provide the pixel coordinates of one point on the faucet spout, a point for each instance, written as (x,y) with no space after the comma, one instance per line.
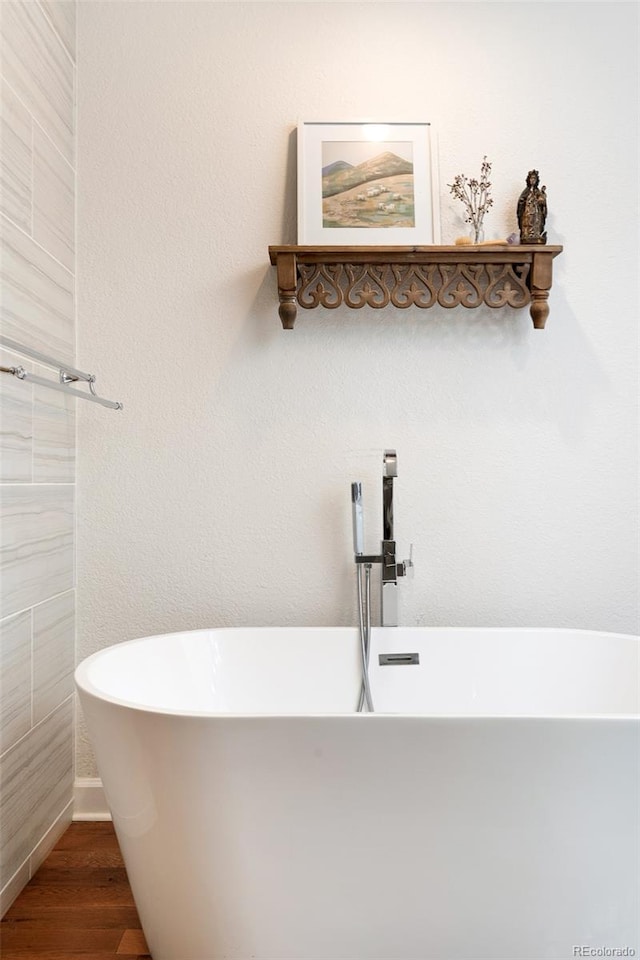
(389,595)
(390,461)
(390,464)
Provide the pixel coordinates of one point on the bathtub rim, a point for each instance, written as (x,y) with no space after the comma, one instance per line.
(84,685)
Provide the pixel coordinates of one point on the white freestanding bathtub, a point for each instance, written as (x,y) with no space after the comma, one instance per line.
(488,809)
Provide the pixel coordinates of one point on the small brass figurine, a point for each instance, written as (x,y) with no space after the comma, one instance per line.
(532,210)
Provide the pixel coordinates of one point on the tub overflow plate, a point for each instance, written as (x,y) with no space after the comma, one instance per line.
(398,659)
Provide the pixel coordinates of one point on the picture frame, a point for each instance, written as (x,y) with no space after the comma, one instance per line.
(367,183)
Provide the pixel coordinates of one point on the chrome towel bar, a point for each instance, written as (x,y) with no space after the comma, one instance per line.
(67,373)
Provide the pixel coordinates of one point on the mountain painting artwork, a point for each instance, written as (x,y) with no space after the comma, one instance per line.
(367,184)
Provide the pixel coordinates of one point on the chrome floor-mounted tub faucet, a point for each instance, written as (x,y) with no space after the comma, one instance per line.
(391,569)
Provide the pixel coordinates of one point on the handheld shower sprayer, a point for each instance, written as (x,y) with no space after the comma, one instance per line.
(358,518)
(364,594)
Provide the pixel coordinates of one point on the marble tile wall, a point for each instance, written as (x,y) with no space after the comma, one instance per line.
(37,434)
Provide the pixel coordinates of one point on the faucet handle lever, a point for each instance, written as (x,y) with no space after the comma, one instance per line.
(406,568)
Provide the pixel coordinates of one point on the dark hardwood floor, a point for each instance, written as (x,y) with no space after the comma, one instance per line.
(78,906)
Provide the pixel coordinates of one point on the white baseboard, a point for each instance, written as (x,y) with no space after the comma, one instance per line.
(90,802)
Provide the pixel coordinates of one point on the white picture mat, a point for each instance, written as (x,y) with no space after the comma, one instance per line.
(311,232)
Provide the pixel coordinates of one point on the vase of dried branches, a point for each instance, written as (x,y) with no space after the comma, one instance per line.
(476,197)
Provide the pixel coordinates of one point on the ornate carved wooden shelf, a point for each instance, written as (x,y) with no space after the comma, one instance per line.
(468,276)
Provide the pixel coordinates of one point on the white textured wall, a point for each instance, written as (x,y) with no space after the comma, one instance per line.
(220,495)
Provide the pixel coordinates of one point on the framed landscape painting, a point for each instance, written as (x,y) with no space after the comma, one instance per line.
(367,184)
